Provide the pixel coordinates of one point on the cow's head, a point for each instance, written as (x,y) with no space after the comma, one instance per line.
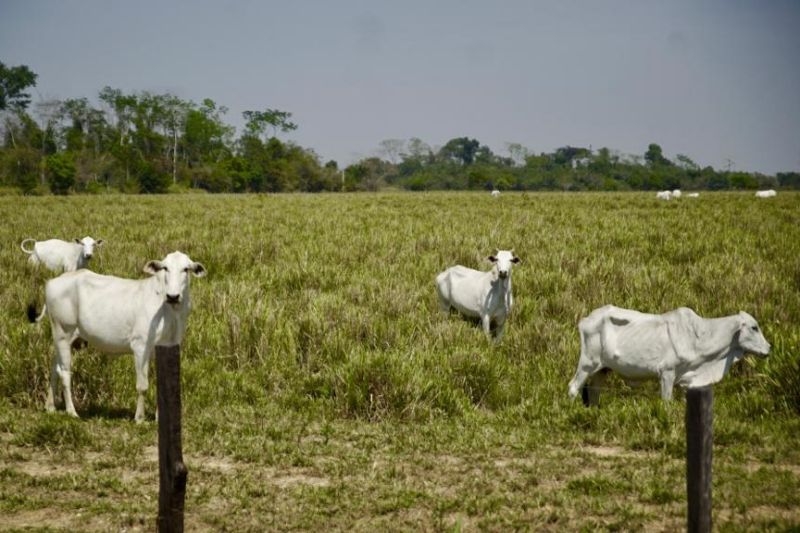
(503,260)
(751,338)
(173,272)
(88,246)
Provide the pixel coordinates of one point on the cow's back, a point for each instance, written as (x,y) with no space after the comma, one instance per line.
(635,344)
(55,254)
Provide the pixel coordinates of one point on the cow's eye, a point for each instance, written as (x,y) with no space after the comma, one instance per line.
(186,269)
(165,269)
(754,328)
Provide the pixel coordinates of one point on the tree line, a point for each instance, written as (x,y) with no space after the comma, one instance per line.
(142,142)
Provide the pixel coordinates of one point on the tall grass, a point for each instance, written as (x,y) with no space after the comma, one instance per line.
(329,299)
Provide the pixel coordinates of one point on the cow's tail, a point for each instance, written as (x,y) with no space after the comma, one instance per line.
(22,246)
(32,315)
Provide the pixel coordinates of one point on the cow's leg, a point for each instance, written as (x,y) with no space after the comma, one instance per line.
(50,403)
(499,329)
(587,366)
(444,303)
(590,393)
(444,300)
(585,370)
(486,321)
(667,379)
(63,367)
(141,359)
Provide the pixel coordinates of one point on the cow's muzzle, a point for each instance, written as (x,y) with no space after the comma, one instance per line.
(503,274)
(173,298)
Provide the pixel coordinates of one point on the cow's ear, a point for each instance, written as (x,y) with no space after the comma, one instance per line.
(742,319)
(79,241)
(198,270)
(152,267)
(99,243)
(492,258)
(516,260)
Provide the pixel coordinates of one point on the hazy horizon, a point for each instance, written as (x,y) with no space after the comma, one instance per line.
(715,81)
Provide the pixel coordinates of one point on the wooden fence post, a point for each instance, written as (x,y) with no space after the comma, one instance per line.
(699,440)
(172,471)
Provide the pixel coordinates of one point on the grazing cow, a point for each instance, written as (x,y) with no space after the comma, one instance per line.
(118,316)
(676,347)
(676,193)
(693,195)
(58,255)
(476,294)
(495,193)
(769,193)
(663,195)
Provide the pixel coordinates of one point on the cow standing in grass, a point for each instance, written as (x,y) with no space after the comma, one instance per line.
(58,255)
(483,295)
(676,347)
(117,316)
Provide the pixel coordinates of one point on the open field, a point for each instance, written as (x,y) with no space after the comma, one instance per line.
(323,389)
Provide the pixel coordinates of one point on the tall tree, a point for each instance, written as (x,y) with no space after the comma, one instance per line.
(13,82)
(207,137)
(517,152)
(655,157)
(120,110)
(13,98)
(48,112)
(461,150)
(390,149)
(269,121)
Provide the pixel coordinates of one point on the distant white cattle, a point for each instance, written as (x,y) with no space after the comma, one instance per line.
(495,193)
(663,195)
(676,193)
(769,193)
(676,347)
(693,195)
(484,295)
(117,316)
(58,255)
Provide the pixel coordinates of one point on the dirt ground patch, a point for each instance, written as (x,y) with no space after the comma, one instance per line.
(53,519)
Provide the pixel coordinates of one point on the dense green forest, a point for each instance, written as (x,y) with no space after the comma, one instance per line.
(154,143)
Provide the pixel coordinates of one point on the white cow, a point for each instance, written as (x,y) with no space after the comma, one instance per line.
(663,195)
(495,193)
(676,193)
(769,193)
(676,347)
(484,295)
(117,316)
(58,255)
(693,195)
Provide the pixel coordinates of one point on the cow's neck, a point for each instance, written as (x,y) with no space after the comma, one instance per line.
(502,286)
(720,342)
(173,320)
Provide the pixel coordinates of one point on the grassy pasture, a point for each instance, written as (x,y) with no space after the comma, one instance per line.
(324,390)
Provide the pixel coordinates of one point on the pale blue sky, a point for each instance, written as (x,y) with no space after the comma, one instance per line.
(715,80)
